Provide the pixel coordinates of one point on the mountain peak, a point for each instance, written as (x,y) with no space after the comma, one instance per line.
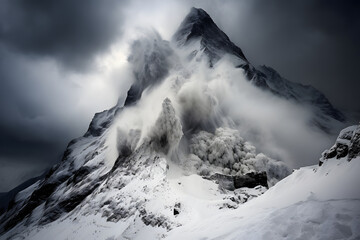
(198,25)
(198,12)
(194,25)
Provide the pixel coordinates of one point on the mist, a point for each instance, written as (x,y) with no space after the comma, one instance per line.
(207,99)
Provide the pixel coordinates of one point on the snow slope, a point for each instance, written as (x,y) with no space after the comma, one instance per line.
(301,206)
(315,202)
(312,203)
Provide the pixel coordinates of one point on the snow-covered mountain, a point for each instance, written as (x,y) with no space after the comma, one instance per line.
(214,43)
(176,157)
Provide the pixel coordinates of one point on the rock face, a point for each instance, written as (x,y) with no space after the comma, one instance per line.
(354,148)
(7,199)
(214,42)
(347,145)
(251,180)
(248,180)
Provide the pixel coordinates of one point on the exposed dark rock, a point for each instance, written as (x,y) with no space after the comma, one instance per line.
(7,199)
(355,144)
(124,153)
(299,93)
(249,180)
(155,220)
(215,43)
(331,153)
(347,145)
(177,208)
(229,205)
(56,209)
(341,150)
(224,181)
(101,121)
(37,197)
(248,70)
(118,214)
(80,174)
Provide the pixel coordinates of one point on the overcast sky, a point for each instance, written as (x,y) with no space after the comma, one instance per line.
(62,61)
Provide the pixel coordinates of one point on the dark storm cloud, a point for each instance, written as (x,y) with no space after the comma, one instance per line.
(73,32)
(29,140)
(25,158)
(40,105)
(311,42)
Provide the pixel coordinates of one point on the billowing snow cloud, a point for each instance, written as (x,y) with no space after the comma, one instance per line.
(167,131)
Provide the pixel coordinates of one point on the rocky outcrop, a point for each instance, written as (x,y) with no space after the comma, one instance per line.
(214,42)
(167,131)
(354,149)
(249,180)
(347,145)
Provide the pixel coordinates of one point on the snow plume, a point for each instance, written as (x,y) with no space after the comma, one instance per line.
(208,99)
(224,148)
(126,142)
(197,106)
(167,131)
(278,127)
(235,156)
(151,59)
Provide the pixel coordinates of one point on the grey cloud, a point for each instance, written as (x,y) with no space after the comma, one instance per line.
(40,114)
(167,131)
(41,44)
(311,42)
(73,32)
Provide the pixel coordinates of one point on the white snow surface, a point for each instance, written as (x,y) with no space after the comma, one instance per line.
(312,203)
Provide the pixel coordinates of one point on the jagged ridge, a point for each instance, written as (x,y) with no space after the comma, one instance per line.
(215,43)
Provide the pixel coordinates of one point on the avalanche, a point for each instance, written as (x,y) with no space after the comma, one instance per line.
(192,152)
(315,202)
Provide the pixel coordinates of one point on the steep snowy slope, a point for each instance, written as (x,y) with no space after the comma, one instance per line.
(177,153)
(315,202)
(145,200)
(198,25)
(141,188)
